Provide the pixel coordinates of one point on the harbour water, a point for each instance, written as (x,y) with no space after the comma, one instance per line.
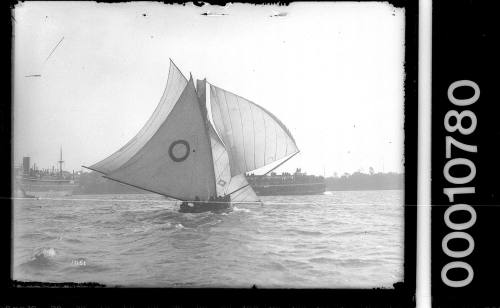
(342,239)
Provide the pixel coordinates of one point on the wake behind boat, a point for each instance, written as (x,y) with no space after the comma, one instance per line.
(180,153)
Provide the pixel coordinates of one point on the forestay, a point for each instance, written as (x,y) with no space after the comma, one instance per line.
(253,136)
(175,85)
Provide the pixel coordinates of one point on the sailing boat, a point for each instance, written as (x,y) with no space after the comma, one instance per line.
(180,153)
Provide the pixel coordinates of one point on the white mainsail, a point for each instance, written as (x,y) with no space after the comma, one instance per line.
(177,159)
(175,85)
(252,135)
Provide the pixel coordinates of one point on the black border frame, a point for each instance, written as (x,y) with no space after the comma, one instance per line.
(403,294)
(464,47)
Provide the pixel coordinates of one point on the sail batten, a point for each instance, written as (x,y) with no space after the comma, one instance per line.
(132,185)
(236,118)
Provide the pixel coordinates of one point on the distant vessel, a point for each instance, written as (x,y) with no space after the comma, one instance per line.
(284,184)
(33,182)
(180,153)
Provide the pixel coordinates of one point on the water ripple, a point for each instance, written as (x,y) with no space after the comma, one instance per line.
(292,241)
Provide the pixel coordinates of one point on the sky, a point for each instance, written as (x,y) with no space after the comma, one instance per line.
(333,73)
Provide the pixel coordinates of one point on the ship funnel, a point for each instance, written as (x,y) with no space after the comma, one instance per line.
(26,165)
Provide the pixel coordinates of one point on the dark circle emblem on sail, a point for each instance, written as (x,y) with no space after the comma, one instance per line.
(179,150)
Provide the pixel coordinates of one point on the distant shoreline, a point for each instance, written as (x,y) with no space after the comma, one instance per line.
(366,189)
(149,193)
(94,184)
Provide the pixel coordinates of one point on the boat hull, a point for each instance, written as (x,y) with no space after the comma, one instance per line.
(41,188)
(201,207)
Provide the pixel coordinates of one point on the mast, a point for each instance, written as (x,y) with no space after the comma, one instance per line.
(201,92)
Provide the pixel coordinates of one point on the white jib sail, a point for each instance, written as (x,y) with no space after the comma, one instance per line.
(225,183)
(242,191)
(177,160)
(252,135)
(175,85)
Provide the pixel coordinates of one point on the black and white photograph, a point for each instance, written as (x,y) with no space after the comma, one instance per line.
(209,146)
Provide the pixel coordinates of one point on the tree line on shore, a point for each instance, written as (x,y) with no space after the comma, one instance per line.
(363,181)
(94,183)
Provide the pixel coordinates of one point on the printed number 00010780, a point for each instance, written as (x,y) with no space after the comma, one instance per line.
(458,228)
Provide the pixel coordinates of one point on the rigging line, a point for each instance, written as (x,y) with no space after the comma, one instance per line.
(107,177)
(94,170)
(269,170)
(242,133)
(238,193)
(101,200)
(132,200)
(54,49)
(175,201)
(247,202)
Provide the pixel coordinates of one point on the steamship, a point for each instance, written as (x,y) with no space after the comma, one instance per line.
(32,182)
(298,183)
